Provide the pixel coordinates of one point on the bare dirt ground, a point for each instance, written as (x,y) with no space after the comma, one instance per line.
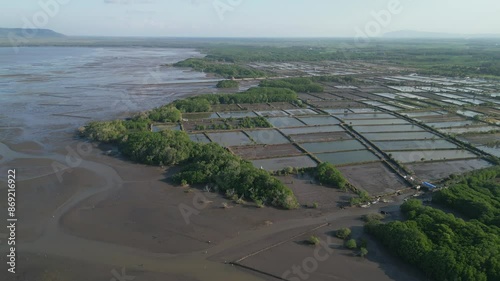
(376,178)
(106,214)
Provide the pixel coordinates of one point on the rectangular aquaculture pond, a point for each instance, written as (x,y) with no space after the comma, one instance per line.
(350,157)
(415,145)
(320,120)
(388,128)
(400,136)
(200,138)
(393,121)
(319,147)
(267,137)
(230,138)
(309,130)
(431,155)
(285,122)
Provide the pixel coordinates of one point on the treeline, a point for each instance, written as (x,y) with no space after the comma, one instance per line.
(299,84)
(224,70)
(239,54)
(476,196)
(336,79)
(240,123)
(227,84)
(114,131)
(442,246)
(327,174)
(235,177)
(201,163)
(204,103)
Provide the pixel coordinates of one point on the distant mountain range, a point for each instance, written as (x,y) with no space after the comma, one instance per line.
(422,34)
(32,33)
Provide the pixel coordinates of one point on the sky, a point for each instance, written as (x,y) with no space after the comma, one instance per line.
(252,18)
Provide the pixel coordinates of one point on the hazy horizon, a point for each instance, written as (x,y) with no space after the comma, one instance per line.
(253,19)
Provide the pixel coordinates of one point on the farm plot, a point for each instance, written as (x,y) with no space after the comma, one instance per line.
(266,151)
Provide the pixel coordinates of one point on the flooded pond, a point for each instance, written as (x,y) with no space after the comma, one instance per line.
(199,138)
(272,113)
(304,111)
(491,150)
(441,125)
(319,147)
(309,130)
(275,164)
(337,111)
(236,114)
(387,128)
(415,145)
(285,122)
(393,121)
(422,114)
(363,110)
(267,137)
(365,116)
(351,157)
(230,138)
(391,108)
(320,120)
(431,155)
(470,130)
(400,136)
